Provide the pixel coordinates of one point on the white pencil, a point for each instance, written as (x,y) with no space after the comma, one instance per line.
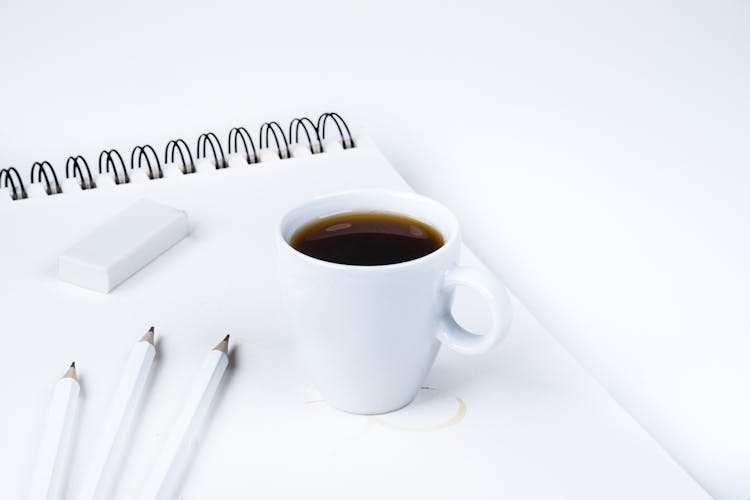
(46,482)
(165,475)
(110,441)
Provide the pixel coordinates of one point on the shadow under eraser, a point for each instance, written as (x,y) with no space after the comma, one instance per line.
(122,245)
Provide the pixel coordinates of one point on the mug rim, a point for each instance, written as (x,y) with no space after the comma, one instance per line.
(449,239)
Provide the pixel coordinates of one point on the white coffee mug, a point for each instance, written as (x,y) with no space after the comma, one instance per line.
(369,335)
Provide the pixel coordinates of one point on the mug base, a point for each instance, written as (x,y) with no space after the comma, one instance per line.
(370,410)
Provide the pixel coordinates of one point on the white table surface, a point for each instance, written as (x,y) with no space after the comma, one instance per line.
(560,108)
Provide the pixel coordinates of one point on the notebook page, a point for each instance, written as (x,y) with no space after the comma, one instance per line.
(524,421)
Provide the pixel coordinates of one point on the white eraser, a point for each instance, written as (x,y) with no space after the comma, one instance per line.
(121,246)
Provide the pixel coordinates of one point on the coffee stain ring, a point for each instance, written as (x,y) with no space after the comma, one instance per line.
(454,420)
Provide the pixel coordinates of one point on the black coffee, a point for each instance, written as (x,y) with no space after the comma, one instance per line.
(367,239)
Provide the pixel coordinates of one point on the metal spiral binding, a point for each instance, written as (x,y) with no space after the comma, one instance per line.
(18,193)
(77,166)
(181,147)
(348,140)
(213,141)
(273,127)
(307,124)
(143,154)
(242,134)
(76,162)
(107,159)
(41,169)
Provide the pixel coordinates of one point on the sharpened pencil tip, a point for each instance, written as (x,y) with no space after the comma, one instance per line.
(148,336)
(71,372)
(223,346)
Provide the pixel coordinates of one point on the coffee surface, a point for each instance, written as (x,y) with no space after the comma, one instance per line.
(367,239)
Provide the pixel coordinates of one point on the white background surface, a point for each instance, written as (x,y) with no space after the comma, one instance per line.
(596,153)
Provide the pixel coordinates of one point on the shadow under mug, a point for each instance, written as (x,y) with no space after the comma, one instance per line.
(368,335)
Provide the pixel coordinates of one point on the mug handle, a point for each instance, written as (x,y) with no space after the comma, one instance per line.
(494,293)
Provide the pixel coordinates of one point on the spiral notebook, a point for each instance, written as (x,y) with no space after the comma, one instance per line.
(524,421)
